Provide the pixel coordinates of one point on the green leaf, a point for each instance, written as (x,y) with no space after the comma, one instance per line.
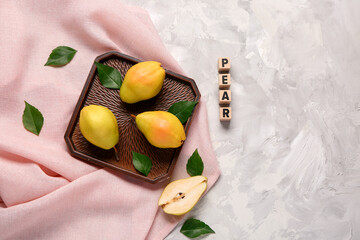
(193,228)
(182,110)
(195,165)
(142,163)
(32,119)
(60,56)
(109,76)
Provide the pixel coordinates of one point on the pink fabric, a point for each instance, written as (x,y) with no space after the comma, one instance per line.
(44,192)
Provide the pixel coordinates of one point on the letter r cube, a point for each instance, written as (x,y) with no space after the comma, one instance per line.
(225,114)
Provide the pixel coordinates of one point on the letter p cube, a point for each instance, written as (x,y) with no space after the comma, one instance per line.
(223,64)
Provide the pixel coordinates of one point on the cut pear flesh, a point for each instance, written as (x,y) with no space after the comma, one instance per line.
(180,196)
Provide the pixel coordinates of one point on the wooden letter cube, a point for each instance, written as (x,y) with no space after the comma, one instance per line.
(225,114)
(224,97)
(224,81)
(224,64)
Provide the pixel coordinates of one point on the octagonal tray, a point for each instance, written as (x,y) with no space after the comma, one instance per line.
(175,88)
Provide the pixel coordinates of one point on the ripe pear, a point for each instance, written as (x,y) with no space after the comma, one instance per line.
(99,126)
(162,129)
(142,81)
(180,196)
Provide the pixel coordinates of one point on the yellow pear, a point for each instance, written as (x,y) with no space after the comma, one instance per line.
(180,196)
(142,81)
(99,126)
(162,129)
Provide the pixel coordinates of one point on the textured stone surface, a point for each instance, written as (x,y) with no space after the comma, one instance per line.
(290,157)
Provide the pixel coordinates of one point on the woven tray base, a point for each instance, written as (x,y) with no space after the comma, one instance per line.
(176,88)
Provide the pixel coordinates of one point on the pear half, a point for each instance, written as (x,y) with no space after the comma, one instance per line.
(180,196)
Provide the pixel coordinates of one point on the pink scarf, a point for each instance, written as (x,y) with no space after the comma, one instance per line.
(44,192)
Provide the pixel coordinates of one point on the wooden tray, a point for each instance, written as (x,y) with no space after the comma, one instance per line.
(176,88)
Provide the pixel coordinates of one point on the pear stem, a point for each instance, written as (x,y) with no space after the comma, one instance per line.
(116,154)
(132,115)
